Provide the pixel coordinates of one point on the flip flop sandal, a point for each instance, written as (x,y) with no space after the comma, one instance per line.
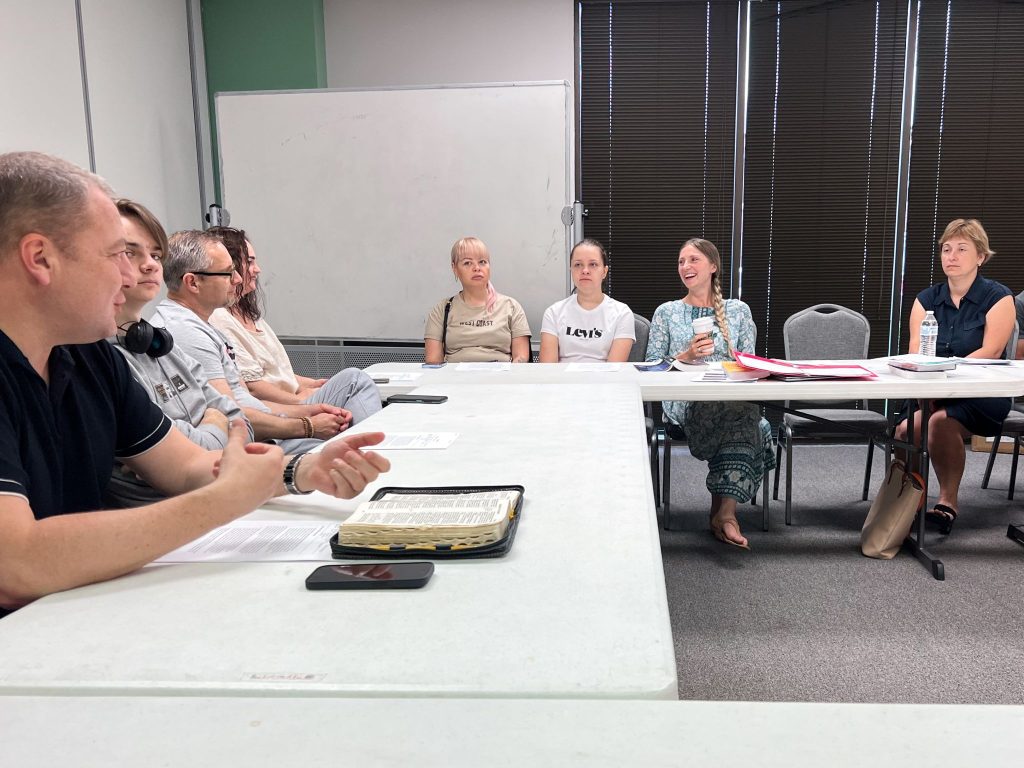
(943,516)
(718,529)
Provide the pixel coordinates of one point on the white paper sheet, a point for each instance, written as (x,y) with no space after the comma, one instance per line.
(416,441)
(253,541)
(979,361)
(485,367)
(583,367)
(399,376)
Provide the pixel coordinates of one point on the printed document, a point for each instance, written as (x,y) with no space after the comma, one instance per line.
(253,541)
(415,441)
(399,377)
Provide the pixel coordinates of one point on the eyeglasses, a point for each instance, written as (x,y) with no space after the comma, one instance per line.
(213,274)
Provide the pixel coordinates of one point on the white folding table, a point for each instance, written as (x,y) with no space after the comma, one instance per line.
(965,381)
(270,732)
(576,609)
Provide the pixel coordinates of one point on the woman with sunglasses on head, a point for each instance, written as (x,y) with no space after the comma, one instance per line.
(975,317)
(731,436)
(588,326)
(261,358)
(477,324)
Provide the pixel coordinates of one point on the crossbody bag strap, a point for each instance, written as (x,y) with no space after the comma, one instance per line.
(444,327)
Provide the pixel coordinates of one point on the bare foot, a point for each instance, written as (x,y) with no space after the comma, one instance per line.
(727,529)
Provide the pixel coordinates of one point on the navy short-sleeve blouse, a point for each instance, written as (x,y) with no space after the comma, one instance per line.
(962,330)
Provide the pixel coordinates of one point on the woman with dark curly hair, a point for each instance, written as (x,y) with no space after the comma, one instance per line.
(262,359)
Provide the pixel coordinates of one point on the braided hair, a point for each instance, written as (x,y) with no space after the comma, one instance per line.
(711,252)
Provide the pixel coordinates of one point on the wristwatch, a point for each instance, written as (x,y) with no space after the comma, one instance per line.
(291,469)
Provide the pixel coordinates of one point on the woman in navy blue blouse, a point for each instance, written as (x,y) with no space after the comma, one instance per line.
(976,319)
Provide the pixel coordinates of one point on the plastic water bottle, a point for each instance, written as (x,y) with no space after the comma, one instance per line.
(929,334)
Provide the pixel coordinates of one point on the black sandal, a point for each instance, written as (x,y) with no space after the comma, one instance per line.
(943,516)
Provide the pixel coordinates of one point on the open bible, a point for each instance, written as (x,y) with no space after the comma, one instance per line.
(442,520)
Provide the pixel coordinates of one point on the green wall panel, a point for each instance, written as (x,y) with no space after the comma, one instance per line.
(261,45)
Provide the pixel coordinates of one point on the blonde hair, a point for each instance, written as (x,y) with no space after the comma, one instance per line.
(711,252)
(973,231)
(467,245)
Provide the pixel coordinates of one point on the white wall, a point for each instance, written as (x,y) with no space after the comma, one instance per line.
(140,95)
(373,43)
(41,80)
(140,88)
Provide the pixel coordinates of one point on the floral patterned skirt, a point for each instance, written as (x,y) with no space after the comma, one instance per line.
(732,438)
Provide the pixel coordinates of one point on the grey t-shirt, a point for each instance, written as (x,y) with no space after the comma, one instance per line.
(176,383)
(208,346)
(1018,303)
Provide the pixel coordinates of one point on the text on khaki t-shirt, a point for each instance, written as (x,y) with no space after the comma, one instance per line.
(476,335)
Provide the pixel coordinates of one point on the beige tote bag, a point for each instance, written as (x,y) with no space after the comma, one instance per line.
(892,512)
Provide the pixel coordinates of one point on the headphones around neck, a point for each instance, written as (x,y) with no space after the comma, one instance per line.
(142,338)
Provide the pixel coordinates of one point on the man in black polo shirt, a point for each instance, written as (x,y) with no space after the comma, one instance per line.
(69,405)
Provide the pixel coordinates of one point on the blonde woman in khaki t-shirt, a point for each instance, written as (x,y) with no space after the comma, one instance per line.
(483,326)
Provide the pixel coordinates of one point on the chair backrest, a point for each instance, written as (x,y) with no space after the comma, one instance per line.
(642,330)
(827,332)
(1011,346)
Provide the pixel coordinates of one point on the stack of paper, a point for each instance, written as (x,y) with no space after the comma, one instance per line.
(921,366)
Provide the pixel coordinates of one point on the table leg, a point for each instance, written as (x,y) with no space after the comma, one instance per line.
(1016,532)
(915,544)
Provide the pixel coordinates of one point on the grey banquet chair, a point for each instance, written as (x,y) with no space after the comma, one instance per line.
(826,332)
(1013,425)
(642,331)
(674,434)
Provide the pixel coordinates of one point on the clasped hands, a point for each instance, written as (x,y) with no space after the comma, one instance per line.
(328,420)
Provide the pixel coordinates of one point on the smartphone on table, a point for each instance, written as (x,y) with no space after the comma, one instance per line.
(371,576)
(431,399)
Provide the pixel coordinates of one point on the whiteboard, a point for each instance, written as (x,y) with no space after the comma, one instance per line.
(353,199)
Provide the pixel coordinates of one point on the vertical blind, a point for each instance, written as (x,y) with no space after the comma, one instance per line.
(657,111)
(657,89)
(967,159)
(823,138)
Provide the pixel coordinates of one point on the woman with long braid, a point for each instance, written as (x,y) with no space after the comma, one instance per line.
(731,436)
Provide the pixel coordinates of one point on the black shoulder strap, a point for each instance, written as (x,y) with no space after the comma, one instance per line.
(444,327)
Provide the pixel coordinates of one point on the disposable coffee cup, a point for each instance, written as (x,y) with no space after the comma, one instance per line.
(704,325)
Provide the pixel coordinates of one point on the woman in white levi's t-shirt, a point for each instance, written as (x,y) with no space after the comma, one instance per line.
(587,326)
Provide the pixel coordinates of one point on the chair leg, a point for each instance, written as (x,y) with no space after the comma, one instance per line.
(867,469)
(655,475)
(666,483)
(778,464)
(991,459)
(764,501)
(789,477)
(1013,466)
